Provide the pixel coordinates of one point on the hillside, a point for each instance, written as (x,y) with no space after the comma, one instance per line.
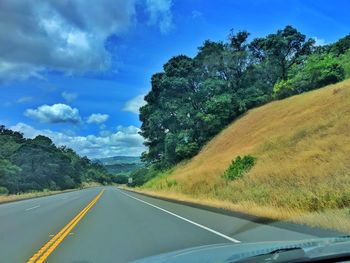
(121,164)
(28,165)
(123,168)
(120,160)
(302,173)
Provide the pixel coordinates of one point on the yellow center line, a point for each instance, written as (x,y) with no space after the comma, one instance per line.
(50,246)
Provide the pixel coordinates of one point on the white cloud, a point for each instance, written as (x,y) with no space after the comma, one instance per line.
(24,99)
(123,141)
(319,41)
(103,127)
(27,130)
(37,36)
(19,71)
(160,14)
(69,96)
(196,14)
(134,104)
(67,36)
(56,113)
(97,118)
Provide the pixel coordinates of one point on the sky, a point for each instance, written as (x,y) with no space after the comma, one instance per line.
(77,71)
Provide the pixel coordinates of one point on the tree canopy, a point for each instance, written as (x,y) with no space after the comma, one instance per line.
(193,99)
(37,164)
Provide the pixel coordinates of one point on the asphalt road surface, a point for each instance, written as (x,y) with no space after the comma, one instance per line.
(119,226)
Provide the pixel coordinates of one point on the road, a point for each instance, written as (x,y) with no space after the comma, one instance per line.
(121,226)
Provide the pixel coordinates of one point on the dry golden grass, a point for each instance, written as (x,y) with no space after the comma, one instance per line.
(18,197)
(24,196)
(302,145)
(335,219)
(90,184)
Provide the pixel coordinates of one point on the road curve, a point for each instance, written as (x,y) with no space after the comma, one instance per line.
(121,227)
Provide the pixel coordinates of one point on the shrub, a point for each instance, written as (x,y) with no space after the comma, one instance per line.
(3,190)
(142,175)
(345,62)
(318,71)
(120,179)
(171,182)
(239,166)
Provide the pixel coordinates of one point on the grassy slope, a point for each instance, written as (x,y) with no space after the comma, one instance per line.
(302,173)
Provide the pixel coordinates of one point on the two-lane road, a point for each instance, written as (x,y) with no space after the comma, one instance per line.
(120,227)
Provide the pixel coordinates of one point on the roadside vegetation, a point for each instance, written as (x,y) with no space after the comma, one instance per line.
(34,165)
(22,196)
(239,166)
(193,99)
(299,145)
(301,173)
(120,167)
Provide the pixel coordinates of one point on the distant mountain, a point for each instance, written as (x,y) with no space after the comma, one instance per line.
(119,160)
(121,164)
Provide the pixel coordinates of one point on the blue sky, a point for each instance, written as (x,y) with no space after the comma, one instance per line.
(77,70)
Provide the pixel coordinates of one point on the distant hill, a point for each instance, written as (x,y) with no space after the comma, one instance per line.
(121,164)
(120,159)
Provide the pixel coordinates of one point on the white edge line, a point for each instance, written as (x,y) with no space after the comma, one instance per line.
(31,208)
(183,218)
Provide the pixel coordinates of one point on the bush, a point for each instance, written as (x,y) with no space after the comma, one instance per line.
(142,175)
(239,166)
(171,182)
(120,179)
(3,190)
(318,71)
(345,62)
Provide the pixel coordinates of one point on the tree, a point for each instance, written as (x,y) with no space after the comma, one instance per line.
(345,62)
(285,48)
(37,164)
(193,99)
(341,46)
(318,71)
(9,175)
(120,179)
(169,104)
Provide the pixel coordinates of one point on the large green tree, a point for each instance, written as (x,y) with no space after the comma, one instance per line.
(37,164)
(193,99)
(283,49)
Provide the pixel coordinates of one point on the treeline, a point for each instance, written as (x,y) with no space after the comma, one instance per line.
(193,99)
(37,164)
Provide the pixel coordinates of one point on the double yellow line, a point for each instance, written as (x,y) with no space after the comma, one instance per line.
(50,246)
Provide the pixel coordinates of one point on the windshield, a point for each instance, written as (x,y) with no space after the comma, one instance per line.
(175,129)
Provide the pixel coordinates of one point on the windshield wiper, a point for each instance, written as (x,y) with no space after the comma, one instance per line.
(325,252)
(278,255)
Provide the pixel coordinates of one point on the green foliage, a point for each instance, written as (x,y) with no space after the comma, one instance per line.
(341,46)
(3,190)
(97,173)
(37,164)
(171,182)
(345,62)
(186,150)
(284,49)
(8,169)
(141,176)
(120,179)
(239,166)
(193,99)
(318,71)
